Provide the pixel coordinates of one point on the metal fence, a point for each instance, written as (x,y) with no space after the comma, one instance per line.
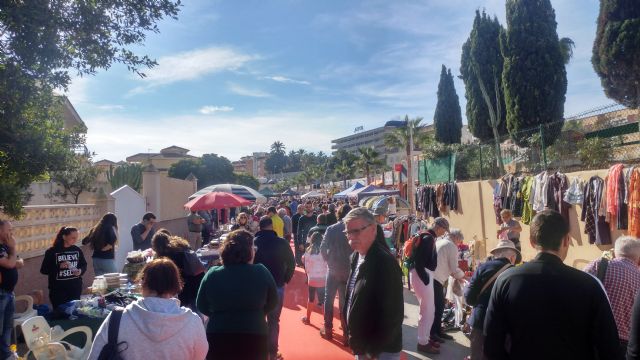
(564,146)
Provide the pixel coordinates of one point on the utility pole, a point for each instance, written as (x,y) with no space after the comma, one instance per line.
(410,193)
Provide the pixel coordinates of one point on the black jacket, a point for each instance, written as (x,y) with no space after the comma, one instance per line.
(549,310)
(276,255)
(426,256)
(377,309)
(472,294)
(633,351)
(305,223)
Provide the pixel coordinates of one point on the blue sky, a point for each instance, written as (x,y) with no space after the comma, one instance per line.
(234,76)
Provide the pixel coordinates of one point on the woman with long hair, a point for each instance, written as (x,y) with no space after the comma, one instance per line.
(64,263)
(103,239)
(176,248)
(156,326)
(243,222)
(237,297)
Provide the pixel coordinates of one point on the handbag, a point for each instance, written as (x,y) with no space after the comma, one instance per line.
(192,264)
(111,350)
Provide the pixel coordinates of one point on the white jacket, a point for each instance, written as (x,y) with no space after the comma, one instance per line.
(316,269)
(156,328)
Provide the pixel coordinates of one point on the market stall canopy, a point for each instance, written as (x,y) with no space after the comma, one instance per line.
(268,192)
(216,200)
(312,194)
(382,203)
(371,191)
(344,193)
(289,192)
(235,189)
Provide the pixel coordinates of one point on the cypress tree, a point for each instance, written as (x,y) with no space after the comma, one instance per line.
(481,52)
(616,50)
(448,117)
(534,76)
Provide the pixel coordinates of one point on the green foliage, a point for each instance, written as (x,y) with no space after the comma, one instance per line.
(482,60)
(369,161)
(616,51)
(40,41)
(534,76)
(433,149)
(247,180)
(80,35)
(79,176)
(276,163)
(594,153)
(210,169)
(32,139)
(448,117)
(125,174)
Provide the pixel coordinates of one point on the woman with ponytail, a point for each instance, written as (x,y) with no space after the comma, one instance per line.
(64,263)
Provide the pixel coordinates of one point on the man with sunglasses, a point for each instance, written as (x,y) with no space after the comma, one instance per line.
(374,303)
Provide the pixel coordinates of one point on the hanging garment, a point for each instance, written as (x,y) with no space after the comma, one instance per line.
(612,189)
(527,209)
(540,191)
(575,194)
(453,196)
(634,204)
(497,203)
(558,185)
(595,225)
(622,217)
(516,197)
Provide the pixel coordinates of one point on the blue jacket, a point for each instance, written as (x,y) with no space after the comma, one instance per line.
(483,273)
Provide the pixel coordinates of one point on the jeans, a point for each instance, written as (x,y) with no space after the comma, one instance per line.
(382,356)
(7,309)
(438,301)
(273,323)
(424,293)
(332,286)
(104,266)
(299,254)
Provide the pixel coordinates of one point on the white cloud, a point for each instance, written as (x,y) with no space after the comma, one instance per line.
(78,90)
(210,109)
(192,65)
(108,107)
(244,91)
(228,135)
(283,79)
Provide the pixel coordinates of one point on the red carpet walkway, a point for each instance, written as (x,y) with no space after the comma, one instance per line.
(299,341)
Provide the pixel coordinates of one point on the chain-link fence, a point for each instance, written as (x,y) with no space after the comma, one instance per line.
(567,146)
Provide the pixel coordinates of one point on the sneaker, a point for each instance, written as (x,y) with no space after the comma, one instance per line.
(445,336)
(428,349)
(326,333)
(305,320)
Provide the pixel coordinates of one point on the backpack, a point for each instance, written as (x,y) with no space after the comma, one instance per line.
(111,351)
(408,249)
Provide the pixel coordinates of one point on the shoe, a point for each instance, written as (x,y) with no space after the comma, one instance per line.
(305,320)
(427,348)
(436,338)
(434,344)
(326,334)
(445,336)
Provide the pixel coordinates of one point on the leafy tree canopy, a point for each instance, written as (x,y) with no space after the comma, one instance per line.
(448,117)
(79,177)
(534,76)
(210,169)
(247,180)
(616,51)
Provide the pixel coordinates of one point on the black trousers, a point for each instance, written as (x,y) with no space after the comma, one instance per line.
(237,346)
(438,300)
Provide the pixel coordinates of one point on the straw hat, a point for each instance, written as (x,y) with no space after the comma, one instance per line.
(505,244)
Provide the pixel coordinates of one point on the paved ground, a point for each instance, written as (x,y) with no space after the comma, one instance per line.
(455,349)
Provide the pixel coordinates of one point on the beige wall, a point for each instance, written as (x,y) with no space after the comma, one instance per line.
(166,196)
(476,218)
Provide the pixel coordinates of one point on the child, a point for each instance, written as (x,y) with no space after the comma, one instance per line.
(316,268)
(510,229)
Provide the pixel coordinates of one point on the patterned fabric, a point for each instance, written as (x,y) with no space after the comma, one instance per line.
(615,172)
(634,203)
(352,282)
(575,195)
(595,225)
(621,282)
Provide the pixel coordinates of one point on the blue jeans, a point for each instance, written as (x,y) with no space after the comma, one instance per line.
(7,309)
(333,285)
(382,356)
(273,323)
(104,266)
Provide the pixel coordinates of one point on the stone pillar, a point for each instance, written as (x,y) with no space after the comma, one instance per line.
(151,190)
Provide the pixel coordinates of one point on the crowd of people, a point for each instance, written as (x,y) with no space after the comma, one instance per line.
(540,309)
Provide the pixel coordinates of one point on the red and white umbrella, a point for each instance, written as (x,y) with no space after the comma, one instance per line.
(216,200)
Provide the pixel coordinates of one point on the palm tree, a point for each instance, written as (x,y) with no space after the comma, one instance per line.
(343,171)
(369,160)
(277,147)
(402,138)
